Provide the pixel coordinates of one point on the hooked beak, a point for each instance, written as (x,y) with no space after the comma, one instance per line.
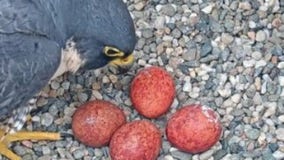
(121,65)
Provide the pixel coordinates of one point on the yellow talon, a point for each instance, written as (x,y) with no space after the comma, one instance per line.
(5,140)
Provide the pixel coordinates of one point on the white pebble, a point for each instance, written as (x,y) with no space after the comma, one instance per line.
(208,9)
(236,98)
(252,24)
(271,109)
(281,118)
(260,36)
(281,80)
(227,38)
(257,83)
(244,5)
(96,94)
(228,103)
(142,62)
(224,92)
(280,65)
(168,157)
(249,63)
(278,154)
(206,155)
(262,138)
(168,38)
(280,134)
(260,63)
(187,87)
(195,157)
(276,6)
(222,79)
(35,118)
(256,55)
(195,92)
(263,87)
(257,100)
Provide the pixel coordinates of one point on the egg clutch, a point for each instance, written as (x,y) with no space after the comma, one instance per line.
(193,128)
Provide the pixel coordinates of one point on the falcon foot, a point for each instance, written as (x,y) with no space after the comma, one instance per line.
(6,139)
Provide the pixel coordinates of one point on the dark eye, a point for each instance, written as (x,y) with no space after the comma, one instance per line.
(111,52)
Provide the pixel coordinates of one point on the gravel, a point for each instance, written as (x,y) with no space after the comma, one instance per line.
(228,55)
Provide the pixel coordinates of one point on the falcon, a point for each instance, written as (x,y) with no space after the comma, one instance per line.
(42,39)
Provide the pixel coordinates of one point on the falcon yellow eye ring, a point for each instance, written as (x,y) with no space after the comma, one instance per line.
(112,52)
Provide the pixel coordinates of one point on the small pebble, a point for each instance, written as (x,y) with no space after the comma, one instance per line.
(78,154)
(260,36)
(280,134)
(46,119)
(252,133)
(278,155)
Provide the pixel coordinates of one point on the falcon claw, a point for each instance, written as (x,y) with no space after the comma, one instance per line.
(6,139)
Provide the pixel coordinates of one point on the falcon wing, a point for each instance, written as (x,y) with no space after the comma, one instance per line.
(27,62)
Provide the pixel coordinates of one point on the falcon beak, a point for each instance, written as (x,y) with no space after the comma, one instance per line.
(121,64)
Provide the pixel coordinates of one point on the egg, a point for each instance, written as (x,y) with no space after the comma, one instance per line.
(152,92)
(194,128)
(94,122)
(136,140)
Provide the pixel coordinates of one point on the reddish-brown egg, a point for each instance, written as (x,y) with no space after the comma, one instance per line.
(152,92)
(136,140)
(94,122)
(194,128)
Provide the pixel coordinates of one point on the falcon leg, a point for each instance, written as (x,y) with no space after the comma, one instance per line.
(12,132)
(6,139)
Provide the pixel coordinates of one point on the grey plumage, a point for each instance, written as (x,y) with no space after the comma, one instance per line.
(34,32)
(27,63)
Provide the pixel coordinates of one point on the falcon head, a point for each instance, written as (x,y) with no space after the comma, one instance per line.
(105,35)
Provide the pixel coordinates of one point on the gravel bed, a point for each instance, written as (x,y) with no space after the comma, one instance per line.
(226,54)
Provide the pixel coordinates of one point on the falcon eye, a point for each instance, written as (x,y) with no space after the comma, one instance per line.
(113,52)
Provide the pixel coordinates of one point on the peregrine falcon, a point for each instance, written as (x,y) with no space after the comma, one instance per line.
(42,39)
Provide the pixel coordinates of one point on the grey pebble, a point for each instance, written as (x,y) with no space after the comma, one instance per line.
(206,49)
(55,85)
(83,97)
(176,33)
(98,153)
(267,155)
(260,36)
(27,157)
(147,33)
(252,133)
(273,146)
(20,150)
(181,155)
(191,53)
(168,10)
(166,146)
(78,153)
(279,155)
(46,150)
(280,134)
(219,154)
(46,119)
(66,85)
(46,157)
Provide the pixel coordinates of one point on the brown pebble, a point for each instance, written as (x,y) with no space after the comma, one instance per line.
(274,59)
(251,35)
(276,22)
